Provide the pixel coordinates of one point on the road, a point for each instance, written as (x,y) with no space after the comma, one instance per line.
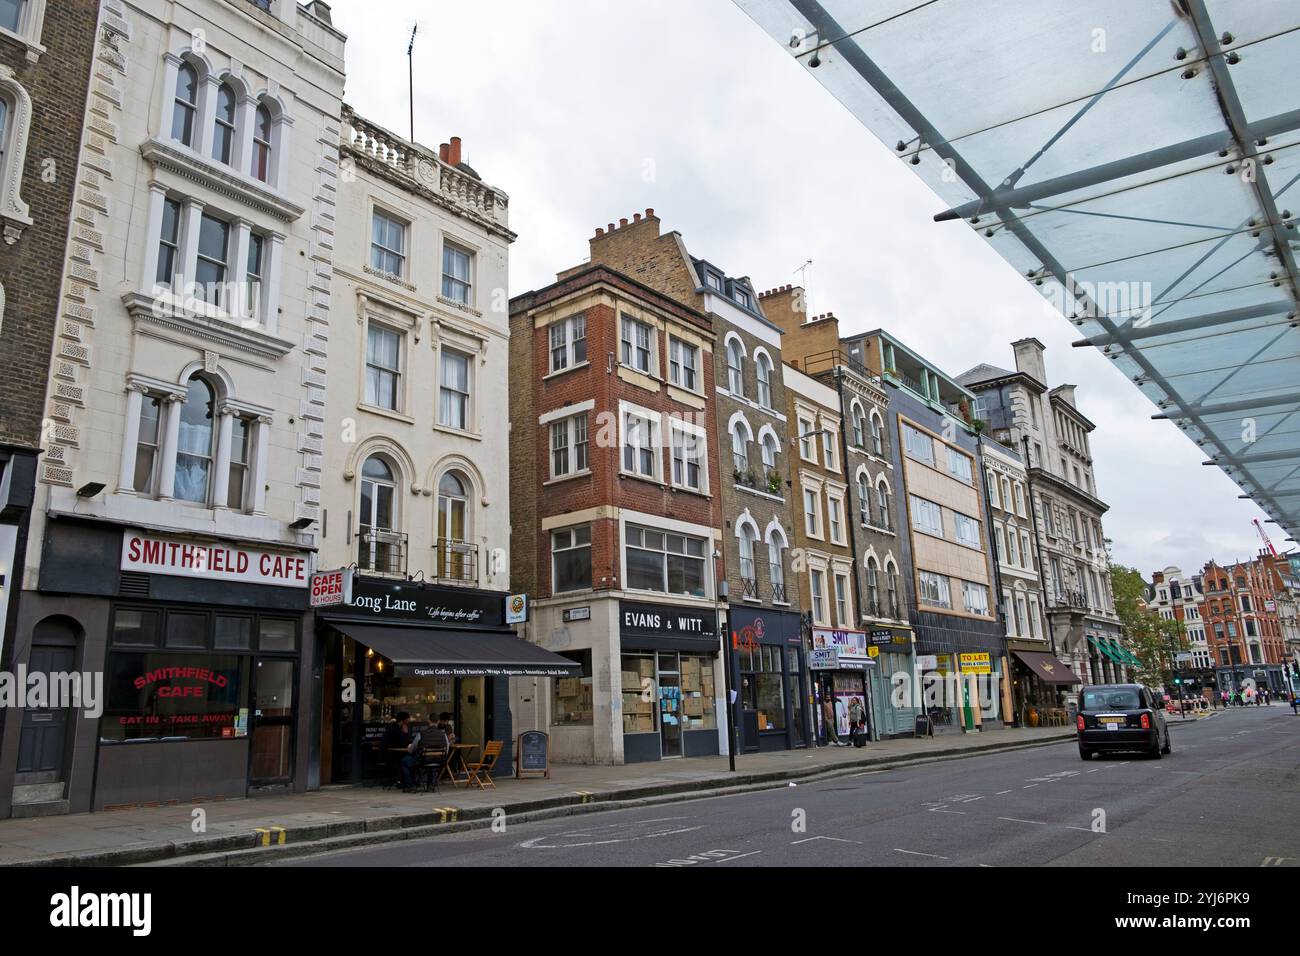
(1229,794)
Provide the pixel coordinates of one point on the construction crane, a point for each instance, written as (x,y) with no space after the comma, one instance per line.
(1267,543)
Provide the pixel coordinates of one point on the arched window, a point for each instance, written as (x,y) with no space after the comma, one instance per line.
(763,369)
(194,444)
(877,437)
(735,368)
(873,587)
(223,125)
(859,427)
(882,504)
(748,575)
(891,582)
(864,498)
(262,144)
(775,567)
(186,105)
(378,547)
(456,558)
(739,448)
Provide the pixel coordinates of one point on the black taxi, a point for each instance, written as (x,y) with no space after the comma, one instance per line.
(1115,717)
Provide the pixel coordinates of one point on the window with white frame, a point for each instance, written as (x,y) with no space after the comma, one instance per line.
(859,426)
(169,264)
(877,437)
(959,466)
(384,347)
(807,450)
(1013,546)
(664,561)
(569,446)
(926,516)
(918,445)
(683,364)
(1033,616)
(196,443)
(740,448)
(148,446)
(568,342)
(864,499)
(637,345)
(736,368)
(891,582)
(835,517)
(254,273)
(770,450)
(975,597)
(388,244)
(812,520)
(873,587)
(932,589)
(639,456)
(213,252)
(995,500)
(1020,500)
(1021,613)
(241,435)
(223,125)
(1026,552)
(746,538)
(378,547)
(571,559)
(454,390)
(763,371)
(775,565)
(884,505)
(843,612)
(829,440)
(185,104)
(967,529)
(263,130)
(817,585)
(690,452)
(456,266)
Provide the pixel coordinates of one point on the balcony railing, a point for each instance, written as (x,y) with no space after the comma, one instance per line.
(456,561)
(1070,599)
(778,588)
(381,551)
(828,360)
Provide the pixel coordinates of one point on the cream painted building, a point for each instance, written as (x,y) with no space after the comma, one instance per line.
(180,485)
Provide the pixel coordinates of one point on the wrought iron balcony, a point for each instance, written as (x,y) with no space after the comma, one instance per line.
(456,562)
(1070,599)
(381,551)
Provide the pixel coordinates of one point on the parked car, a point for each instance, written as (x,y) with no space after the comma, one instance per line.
(1117,717)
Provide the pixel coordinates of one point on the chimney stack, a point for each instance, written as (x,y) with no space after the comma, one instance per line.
(454,151)
(444,151)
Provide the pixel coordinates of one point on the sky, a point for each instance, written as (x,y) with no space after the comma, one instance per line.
(586,112)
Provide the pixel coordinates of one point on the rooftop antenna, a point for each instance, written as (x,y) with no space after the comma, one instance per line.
(410,73)
(802,272)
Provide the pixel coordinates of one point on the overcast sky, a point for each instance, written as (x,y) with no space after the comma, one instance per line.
(585,112)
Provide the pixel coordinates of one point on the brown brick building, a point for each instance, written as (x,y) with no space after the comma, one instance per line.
(615,515)
(1242,625)
(763,624)
(45,60)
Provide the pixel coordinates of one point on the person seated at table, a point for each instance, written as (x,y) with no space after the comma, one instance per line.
(397,738)
(444,724)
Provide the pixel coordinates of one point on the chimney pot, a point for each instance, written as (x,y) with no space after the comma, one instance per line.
(444,150)
(649,213)
(455,151)
(599,232)
(622,222)
(610,226)
(636,217)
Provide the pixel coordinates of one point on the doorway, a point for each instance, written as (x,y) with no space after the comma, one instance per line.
(271,758)
(670,706)
(43,739)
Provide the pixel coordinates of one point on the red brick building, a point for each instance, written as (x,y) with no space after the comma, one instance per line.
(1242,623)
(615,516)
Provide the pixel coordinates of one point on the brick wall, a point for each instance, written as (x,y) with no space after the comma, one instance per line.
(31,267)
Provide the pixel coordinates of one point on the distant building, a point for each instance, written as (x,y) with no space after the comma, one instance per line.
(1177,597)
(1244,629)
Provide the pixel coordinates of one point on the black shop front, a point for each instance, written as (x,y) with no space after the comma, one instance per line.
(768,661)
(435,653)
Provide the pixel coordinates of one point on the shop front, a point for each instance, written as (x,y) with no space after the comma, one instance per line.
(1039,681)
(436,654)
(768,661)
(200,645)
(839,663)
(671,681)
(892,648)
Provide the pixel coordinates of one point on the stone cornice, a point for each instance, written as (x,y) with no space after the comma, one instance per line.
(172,316)
(220,179)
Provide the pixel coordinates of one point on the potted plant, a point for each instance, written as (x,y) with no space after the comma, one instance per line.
(773,483)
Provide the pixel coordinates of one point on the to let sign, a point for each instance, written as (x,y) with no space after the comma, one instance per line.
(331,587)
(213,562)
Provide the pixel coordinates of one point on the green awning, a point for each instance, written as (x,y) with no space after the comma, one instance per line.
(1105,648)
(1128,655)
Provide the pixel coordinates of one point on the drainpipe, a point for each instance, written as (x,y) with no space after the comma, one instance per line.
(851,520)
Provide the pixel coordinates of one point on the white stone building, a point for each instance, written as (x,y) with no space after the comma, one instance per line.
(183,457)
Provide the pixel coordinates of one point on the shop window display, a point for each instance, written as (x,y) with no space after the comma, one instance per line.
(571,698)
(689,702)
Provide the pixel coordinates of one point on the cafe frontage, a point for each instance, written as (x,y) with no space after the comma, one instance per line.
(435,653)
(199,644)
(767,653)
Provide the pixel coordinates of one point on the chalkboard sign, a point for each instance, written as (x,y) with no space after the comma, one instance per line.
(533,754)
(923,726)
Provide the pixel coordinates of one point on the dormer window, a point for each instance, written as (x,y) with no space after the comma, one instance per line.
(743,297)
(715,281)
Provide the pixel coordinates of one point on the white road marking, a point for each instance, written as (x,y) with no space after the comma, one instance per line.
(942,810)
(810,839)
(933,856)
(1030,787)
(1039,823)
(1084,829)
(1094,770)
(741,856)
(1000,792)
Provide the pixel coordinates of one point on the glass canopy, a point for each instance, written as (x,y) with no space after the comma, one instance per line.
(1137,161)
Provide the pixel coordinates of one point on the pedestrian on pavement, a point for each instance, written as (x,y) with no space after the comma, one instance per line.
(1295,702)
(857,718)
(1258,697)
(828,721)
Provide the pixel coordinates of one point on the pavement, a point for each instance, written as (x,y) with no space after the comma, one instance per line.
(241,831)
(1227,796)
